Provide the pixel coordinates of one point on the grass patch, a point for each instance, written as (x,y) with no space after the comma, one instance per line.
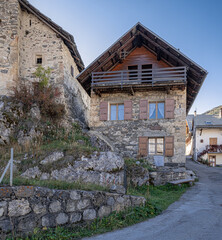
(54,184)
(158,199)
(73,143)
(131,163)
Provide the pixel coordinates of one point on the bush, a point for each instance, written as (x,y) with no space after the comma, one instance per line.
(41,94)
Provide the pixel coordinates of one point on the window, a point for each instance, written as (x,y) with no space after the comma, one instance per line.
(156,110)
(213,141)
(72,71)
(117,111)
(146,73)
(155,146)
(133,75)
(39,59)
(141,72)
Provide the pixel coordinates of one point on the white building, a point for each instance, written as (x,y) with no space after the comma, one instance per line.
(204,137)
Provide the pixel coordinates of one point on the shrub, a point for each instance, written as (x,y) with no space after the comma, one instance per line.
(40,93)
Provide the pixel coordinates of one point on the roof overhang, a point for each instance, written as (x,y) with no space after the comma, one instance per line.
(67,37)
(139,36)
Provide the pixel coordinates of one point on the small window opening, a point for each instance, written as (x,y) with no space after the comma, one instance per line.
(30,23)
(147,72)
(38,59)
(133,75)
(72,71)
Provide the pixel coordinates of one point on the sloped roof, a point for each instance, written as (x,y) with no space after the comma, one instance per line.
(139,36)
(207,121)
(67,37)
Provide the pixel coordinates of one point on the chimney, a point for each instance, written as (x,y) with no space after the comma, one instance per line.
(195,113)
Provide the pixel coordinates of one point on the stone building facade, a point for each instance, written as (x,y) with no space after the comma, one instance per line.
(26,37)
(141,90)
(125,134)
(148,72)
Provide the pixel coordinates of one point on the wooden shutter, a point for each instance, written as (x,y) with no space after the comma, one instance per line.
(169,108)
(143,109)
(128,110)
(169,146)
(143,148)
(103,116)
(213,141)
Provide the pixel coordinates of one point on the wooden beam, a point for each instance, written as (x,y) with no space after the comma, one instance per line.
(110,57)
(167,52)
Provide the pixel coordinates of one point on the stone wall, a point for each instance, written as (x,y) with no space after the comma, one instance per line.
(9,25)
(78,101)
(23,36)
(24,208)
(124,134)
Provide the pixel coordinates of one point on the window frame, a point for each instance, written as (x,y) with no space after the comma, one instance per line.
(38,56)
(155,154)
(156,109)
(117,108)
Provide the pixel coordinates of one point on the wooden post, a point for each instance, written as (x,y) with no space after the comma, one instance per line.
(11,168)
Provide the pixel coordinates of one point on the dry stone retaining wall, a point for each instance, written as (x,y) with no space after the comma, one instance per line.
(24,208)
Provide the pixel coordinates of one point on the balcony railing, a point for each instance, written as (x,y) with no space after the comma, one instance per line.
(211,149)
(151,77)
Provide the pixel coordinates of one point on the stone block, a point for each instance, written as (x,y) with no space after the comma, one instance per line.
(55,207)
(89,214)
(110,201)
(117,189)
(27,224)
(39,209)
(74,195)
(3,208)
(82,204)
(75,217)
(6,226)
(61,219)
(137,201)
(71,206)
(18,208)
(48,221)
(52,158)
(104,211)
(5,192)
(24,191)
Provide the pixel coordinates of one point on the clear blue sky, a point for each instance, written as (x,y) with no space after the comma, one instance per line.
(193,26)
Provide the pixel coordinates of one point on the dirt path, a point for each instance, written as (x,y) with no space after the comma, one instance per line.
(196,216)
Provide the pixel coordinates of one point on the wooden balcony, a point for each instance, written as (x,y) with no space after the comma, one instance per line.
(214,148)
(139,78)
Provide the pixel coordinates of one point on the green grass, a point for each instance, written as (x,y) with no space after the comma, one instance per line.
(53,184)
(158,199)
(131,163)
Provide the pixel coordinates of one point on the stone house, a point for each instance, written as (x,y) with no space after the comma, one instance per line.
(27,39)
(135,95)
(206,134)
(141,90)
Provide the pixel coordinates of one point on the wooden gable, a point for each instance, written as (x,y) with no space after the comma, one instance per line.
(140,56)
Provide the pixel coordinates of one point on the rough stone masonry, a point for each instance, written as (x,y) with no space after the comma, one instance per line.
(24,208)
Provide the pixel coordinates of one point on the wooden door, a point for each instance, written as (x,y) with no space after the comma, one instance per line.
(213,141)
(212,161)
